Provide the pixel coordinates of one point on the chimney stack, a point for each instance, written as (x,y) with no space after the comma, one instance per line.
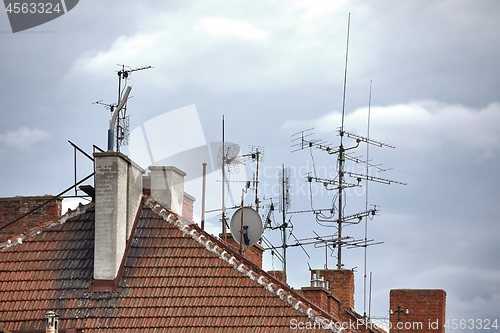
(341,283)
(167,187)
(13,208)
(118,182)
(253,253)
(320,294)
(278,274)
(417,310)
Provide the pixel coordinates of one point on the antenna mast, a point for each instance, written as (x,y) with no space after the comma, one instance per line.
(224,229)
(119,123)
(341,158)
(122,123)
(366,200)
(336,212)
(285,203)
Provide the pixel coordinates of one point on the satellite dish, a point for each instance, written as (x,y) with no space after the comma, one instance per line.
(252,226)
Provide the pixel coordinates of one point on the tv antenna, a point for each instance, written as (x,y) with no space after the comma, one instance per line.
(229,161)
(119,118)
(257,155)
(284,205)
(340,184)
(304,140)
(122,122)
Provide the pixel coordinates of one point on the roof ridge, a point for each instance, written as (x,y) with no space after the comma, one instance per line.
(29,233)
(241,264)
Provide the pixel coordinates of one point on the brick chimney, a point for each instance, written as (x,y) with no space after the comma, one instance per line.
(188,206)
(417,310)
(320,294)
(187,199)
(13,208)
(118,183)
(252,253)
(167,187)
(278,274)
(341,283)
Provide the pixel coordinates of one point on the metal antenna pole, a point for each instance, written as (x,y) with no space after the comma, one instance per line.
(203,195)
(120,82)
(342,156)
(114,119)
(345,73)
(120,73)
(284,224)
(370,302)
(223,184)
(366,200)
(242,219)
(339,222)
(257,153)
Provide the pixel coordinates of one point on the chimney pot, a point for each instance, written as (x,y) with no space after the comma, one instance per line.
(52,322)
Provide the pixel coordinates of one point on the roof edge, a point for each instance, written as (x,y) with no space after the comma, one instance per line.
(244,266)
(31,197)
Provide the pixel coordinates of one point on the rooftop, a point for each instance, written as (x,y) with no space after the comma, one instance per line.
(174,277)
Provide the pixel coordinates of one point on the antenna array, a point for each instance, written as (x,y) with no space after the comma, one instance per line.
(333,216)
(122,124)
(229,160)
(304,140)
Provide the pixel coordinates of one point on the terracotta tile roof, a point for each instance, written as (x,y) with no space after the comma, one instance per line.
(175,277)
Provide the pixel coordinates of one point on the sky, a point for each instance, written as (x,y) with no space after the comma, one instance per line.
(272,69)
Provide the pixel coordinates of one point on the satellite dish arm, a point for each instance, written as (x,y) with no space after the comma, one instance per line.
(111,130)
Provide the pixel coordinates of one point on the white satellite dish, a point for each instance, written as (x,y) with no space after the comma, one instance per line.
(251,230)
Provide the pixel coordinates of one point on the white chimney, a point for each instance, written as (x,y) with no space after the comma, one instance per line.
(52,322)
(167,187)
(118,188)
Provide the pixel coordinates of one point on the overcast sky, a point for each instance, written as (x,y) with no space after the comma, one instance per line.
(273,69)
